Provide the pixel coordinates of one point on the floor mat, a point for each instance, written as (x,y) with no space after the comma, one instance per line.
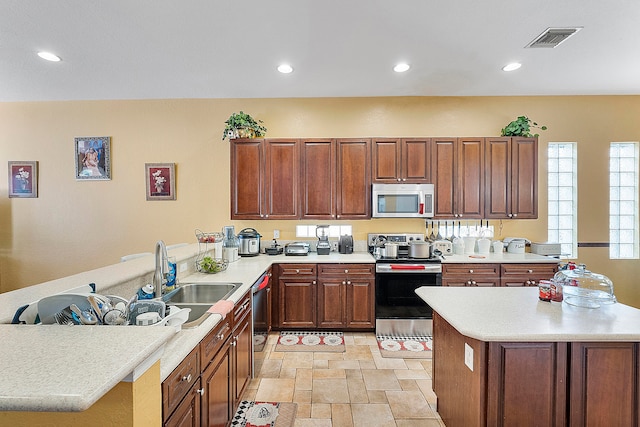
(264,414)
(311,341)
(405,347)
(259,340)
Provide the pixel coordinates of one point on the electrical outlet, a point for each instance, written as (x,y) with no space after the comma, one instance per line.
(334,246)
(182,268)
(468,356)
(276,234)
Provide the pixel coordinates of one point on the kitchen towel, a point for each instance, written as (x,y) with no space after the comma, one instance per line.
(222,307)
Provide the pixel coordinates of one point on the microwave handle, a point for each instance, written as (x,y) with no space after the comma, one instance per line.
(421,208)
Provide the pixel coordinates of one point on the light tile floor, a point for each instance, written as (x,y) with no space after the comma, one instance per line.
(357,388)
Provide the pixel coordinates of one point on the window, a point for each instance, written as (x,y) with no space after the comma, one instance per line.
(334,230)
(623,200)
(563,199)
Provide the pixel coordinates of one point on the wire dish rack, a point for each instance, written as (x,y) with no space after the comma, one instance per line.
(205,262)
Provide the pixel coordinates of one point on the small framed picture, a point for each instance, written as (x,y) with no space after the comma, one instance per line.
(23,179)
(93,158)
(161,181)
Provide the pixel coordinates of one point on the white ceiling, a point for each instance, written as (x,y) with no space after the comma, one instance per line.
(144,49)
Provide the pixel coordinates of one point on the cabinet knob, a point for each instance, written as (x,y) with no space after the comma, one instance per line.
(529,271)
(337,216)
(200,391)
(468,282)
(473,282)
(471,271)
(220,337)
(187,378)
(346,271)
(510,215)
(297,271)
(344,283)
(533,283)
(313,283)
(348,282)
(515,215)
(398,179)
(404,179)
(528,282)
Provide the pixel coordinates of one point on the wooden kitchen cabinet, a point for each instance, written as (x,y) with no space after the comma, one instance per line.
(353,178)
(265,174)
(406,160)
(217,403)
(187,414)
(346,296)
(297,295)
(318,179)
(241,348)
(458,177)
(511,178)
(177,385)
(526,274)
(480,274)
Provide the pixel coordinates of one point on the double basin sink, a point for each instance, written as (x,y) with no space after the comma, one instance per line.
(199,297)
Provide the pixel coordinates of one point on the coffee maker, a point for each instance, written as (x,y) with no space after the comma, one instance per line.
(323,247)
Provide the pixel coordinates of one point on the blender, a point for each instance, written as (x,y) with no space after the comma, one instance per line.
(230,244)
(323,247)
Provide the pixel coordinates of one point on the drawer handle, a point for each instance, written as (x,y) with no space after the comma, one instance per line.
(200,391)
(187,378)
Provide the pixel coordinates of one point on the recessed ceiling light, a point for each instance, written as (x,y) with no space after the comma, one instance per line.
(49,56)
(511,67)
(285,68)
(401,67)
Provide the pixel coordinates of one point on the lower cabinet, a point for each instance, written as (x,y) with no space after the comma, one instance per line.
(206,388)
(346,296)
(297,295)
(471,274)
(526,274)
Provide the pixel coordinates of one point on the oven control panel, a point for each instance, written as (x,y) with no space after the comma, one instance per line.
(380,238)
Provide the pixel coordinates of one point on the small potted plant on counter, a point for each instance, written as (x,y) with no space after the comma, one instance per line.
(521,127)
(242,125)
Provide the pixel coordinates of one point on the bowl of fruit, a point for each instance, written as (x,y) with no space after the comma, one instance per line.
(211,265)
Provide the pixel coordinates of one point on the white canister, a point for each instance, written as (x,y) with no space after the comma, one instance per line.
(217,250)
(458,246)
(484,245)
(498,247)
(469,244)
(230,254)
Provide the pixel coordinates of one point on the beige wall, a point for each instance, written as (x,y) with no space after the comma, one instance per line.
(79,225)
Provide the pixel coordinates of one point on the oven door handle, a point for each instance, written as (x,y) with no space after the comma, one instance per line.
(407,267)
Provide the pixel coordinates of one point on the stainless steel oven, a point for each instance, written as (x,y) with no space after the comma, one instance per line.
(399,311)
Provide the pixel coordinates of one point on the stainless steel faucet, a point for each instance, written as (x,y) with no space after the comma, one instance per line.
(162,269)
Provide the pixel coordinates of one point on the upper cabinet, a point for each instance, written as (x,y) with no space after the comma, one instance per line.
(458,165)
(265,175)
(353,194)
(318,183)
(511,178)
(401,160)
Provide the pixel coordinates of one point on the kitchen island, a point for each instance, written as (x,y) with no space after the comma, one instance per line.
(502,357)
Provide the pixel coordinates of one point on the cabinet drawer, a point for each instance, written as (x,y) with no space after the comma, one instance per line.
(545,271)
(242,308)
(297,270)
(210,345)
(492,270)
(351,270)
(180,381)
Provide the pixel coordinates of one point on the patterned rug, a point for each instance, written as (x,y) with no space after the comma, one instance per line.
(311,341)
(405,347)
(264,414)
(259,340)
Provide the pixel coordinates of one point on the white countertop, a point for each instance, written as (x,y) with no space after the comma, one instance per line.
(517,314)
(36,379)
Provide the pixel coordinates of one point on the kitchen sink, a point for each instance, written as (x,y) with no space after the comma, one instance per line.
(204,292)
(199,297)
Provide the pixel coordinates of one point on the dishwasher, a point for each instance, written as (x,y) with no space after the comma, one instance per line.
(260,292)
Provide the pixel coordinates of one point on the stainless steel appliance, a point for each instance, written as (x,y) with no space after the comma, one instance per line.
(261,312)
(249,242)
(296,248)
(402,200)
(345,244)
(399,311)
(322,233)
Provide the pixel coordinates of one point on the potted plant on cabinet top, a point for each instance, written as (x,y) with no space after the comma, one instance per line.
(242,125)
(521,127)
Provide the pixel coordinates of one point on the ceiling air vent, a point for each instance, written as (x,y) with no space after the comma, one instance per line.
(552,37)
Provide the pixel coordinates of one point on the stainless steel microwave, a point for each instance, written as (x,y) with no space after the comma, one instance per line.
(402,200)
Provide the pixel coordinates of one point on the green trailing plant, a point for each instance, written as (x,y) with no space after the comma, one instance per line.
(242,125)
(521,127)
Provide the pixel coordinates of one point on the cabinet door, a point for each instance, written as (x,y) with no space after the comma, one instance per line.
(444,176)
(242,357)
(282,177)
(217,401)
(247,178)
(360,303)
(187,414)
(353,179)
(318,179)
(179,382)
(331,303)
(498,177)
(297,302)
(385,160)
(524,178)
(416,160)
(470,169)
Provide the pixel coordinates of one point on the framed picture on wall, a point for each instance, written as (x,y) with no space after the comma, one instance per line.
(23,179)
(161,181)
(93,158)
